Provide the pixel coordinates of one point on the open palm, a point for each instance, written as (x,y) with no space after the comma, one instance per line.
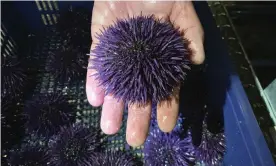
(183,15)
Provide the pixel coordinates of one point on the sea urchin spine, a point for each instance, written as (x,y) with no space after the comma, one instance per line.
(141,59)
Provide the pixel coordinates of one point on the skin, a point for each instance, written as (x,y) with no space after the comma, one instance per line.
(183,15)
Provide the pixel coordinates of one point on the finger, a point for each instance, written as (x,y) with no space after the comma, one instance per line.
(167,113)
(102,16)
(94,92)
(112,114)
(185,17)
(138,124)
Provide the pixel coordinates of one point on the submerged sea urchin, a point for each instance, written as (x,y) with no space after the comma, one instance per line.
(114,158)
(12,78)
(168,149)
(74,146)
(67,63)
(47,112)
(211,149)
(141,59)
(29,156)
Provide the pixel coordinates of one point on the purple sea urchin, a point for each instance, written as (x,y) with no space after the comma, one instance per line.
(74,146)
(12,78)
(211,149)
(168,149)
(67,63)
(141,59)
(29,156)
(47,112)
(114,158)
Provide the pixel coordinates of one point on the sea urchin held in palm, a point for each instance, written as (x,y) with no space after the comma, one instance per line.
(168,149)
(211,149)
(74,146)
(141,59)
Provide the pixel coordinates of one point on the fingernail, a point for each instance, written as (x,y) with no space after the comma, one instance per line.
(164,119)
(133,136)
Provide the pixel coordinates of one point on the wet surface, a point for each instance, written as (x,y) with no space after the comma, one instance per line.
(255,23)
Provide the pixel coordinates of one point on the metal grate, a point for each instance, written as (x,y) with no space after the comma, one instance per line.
(8,46)
(48,10)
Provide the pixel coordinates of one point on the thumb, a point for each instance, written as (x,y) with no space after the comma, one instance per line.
(184,16)
(196,45)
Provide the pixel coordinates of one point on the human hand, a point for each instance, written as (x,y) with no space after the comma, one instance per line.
(183,15)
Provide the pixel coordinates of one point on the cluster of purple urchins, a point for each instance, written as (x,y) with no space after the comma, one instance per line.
(67,63)
(141,59)
(212,147)
(168,149)
(74,146)
(47,112)
(114,158)
(12,78)
(29,155)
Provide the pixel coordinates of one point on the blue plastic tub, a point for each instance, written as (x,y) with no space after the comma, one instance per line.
(246,145)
